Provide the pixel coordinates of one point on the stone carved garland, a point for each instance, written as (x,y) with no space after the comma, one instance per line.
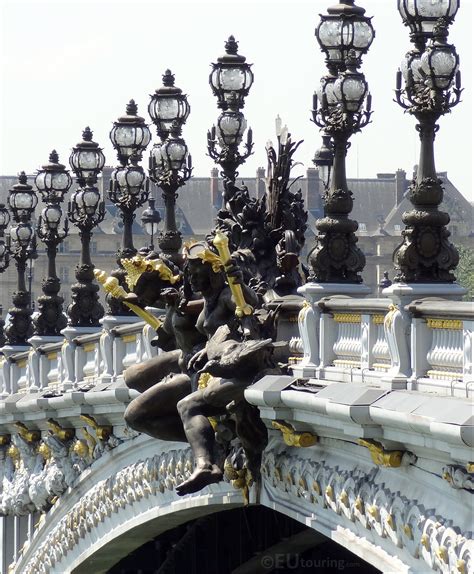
(355,495)
(351,494)
(130,485)
(33,474)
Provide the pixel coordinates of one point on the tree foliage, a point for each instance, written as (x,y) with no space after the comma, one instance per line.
(465,270)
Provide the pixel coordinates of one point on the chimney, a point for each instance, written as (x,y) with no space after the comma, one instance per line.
(216,200)
(260,183)
(400,185)
(314,190)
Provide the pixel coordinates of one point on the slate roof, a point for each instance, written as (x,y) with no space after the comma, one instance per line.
(454,203)
(374,204)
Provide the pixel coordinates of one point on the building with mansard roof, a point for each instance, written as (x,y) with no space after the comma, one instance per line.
(379,204)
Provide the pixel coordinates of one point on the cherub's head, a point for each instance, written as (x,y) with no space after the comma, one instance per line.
(151,280)
(203,269)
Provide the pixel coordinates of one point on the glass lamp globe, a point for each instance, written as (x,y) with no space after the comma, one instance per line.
(421,15)
(22,200)
(129,180)
(22,234)
(411,68)
(155,162)
(230,74)
(231,127)
(87,199)
(130,135)
(343,30)
(51,216)
(440,61)
(87,159)
(323,159)
(176,154)
(4,218)
(325,91)
(350,89)
(168,104)
(53,181)
(150,218)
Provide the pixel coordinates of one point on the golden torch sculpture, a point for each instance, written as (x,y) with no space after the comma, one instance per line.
(112,286)
(242,308)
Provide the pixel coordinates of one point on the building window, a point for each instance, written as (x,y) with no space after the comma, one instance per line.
(363,227)
(64,247)
(397,228)
(94,247)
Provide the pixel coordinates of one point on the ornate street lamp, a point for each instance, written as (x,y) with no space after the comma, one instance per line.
(343,31)
(342,109)
(150,219)
(432,87)
(129,186)
(172,172)
(230,80)
(86,209)
(168,106)
(4,244)
(2,327)
(22,202)
(170,163)
(130,134)
(421,17)
(87,159)
(323,160)
(53,182)
(231,77)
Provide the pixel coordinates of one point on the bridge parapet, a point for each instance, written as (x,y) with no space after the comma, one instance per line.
(425,345)
(76,361)
(379,395)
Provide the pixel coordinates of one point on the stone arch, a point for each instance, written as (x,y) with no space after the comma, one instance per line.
(127,497)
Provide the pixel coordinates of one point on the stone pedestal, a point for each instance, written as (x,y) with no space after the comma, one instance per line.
(38,372)
(8,375)
(309,319)
(108,323)
(67,353)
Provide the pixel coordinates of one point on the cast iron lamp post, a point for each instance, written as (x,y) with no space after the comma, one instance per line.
(150,219)
(2,326)
(22,201)
(323,160)
(341,108)
(53,182)
(231,79)
(129,186)
(170,162)
(86,209)
(4,244)
(168,105)
(432,87)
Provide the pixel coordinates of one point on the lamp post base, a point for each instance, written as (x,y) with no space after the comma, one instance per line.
(85,309)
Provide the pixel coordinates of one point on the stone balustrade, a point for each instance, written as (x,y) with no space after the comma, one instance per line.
(427,344)
(442,346)
(77,361)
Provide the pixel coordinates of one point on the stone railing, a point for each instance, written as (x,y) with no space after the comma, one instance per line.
(442,346)
(427,344)
(77,361)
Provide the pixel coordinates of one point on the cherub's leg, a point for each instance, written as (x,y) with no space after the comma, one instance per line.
(154,411)
(194,411)
(144,375)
